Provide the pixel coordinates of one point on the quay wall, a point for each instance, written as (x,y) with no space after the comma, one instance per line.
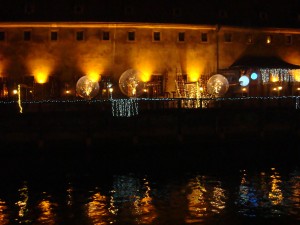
(182,125)
(181,133)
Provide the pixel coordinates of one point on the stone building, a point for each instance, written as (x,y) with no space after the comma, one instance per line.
(47,47)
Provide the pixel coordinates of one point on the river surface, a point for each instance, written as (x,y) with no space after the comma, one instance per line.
(43,191)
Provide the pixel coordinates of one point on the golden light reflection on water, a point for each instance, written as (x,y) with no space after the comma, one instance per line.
(197,205)
(47,216)
(144,209)
(204,199)
(275,194)
(3,216)
(218,201)
(98,211)
(131,200)
(22,204)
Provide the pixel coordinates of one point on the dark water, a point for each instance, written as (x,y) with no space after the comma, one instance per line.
(98,191)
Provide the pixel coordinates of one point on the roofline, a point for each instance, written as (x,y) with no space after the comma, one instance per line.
(105,25)
(260,29)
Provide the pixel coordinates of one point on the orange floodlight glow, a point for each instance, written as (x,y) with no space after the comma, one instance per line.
(93,69)
(93,76)
(41,69)
(41,77)
(194,72)
(296,74)
(146,67)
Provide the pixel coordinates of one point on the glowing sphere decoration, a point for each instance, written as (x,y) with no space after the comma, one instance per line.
(217,85)
(254,76)
(244,81)
(86,88)
(130,83)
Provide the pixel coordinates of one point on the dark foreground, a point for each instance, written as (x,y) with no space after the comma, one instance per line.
(209,166)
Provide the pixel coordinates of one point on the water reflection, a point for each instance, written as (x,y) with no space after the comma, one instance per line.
(97,209)
(205,198)
(46,207)
(294,183)
(22,204)
(3,214)
(142,199)
(131,200)
(266,195)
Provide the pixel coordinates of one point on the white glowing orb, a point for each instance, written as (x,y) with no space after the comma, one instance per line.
(217,85)
(130,83)
(244,81)
(86,88)
(254,76)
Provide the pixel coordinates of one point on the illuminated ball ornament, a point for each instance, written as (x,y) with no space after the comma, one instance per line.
(217,85)
(86,88)
(254,76)
(244,81)
(130,83)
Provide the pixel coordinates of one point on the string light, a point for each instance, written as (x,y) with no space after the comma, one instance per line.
(130,107)
(274,75)
(124,107)
(19,98)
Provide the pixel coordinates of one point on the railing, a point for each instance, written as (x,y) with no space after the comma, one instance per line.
(133,106)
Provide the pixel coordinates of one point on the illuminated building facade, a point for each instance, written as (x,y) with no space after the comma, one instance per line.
(47,48)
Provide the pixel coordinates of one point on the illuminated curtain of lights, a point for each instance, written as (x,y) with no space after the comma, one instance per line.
(124,107)
(274,75)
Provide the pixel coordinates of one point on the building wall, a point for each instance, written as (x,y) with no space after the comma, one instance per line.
(67,59)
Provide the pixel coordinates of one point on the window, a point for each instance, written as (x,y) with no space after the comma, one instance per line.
(79,35)
(268,39)
(131,36)
(249,39)
(54,36)
(2,36)
(204,37)
(105,36)
(27,35)
(228,37)
(181,36)
(156,36)
(288,39)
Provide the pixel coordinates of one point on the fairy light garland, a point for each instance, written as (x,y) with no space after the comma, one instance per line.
(130,107)
(124,107)
(273,75)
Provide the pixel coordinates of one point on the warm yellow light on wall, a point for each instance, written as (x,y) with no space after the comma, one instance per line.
(296,74)
(146,68)
(193,73)
(41,69)
(92,68)
(269,39)
(93,76)
(195,66)
(41,77)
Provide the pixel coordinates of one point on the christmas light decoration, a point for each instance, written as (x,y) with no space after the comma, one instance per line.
(217,85)
(86,88)
(274,75)
(130,83)
(124,107)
